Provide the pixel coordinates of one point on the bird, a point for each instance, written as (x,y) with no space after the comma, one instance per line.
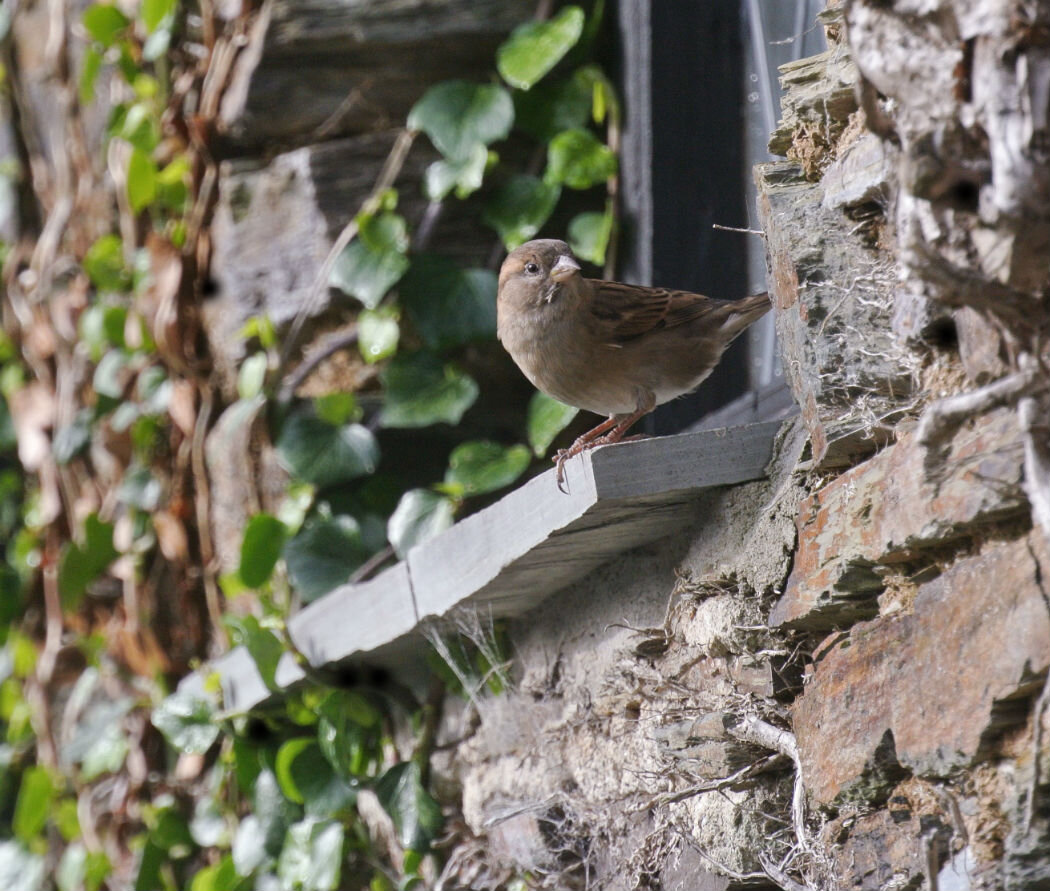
(606,347)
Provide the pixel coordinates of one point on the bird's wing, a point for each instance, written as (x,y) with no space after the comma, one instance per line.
(629,311)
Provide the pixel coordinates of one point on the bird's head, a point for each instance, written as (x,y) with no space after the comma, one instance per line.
(537,270)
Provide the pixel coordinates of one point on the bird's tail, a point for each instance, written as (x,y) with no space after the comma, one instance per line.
(742,313)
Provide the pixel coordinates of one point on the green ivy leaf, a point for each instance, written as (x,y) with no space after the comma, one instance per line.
(345,718)
(104,264)
(449,305)
(475,468)
(550,107)
(422,390)
(325,454)
(142,180)
(458,115)
(372,264)
(187,722)
(519,210)
(312,855)
(307,778)
(221,876)
(262,644)
(416,815)
(420,515)
(156,13)
(324,554)
(464,176)
(251,376)
(337,408)
(79,870)
(33,805)
(589,235)
(378,333)
(89,71)
(20,870)
(535,48)
(80,565)
(547,417)
(70,439)
(579,160)
(104,22)
(261,546)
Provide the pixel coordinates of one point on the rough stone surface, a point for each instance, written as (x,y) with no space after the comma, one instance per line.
(885,511)
(829,286)
(936,686)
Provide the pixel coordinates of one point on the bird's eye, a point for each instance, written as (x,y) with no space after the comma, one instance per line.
(532,268)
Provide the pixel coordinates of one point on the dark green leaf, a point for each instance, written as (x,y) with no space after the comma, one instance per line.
(337,408)
(481,466)
(372,264)
(169,830)
(154,12)
(323,454)
(140,488)
(589,235)
(187,722)
(457,116)
(306,777)
(378,332)
(156,44)
(422,390)
(208,826)
(142,180)
(262,645)
(104,22)
(324,555)
(536,47)
(420,515)
(89,70)
(547,417)
(312,856)
(343,732)
(464,176)
(8,437)
(519,210)
(416,815)
(34,803)
(264,538)
(79,870)
(251,376)
(222,876)
(80,565)
(449,305)
(20,870)
(104,264)
(249,846)
(547,109)
(579,160)
(70,439)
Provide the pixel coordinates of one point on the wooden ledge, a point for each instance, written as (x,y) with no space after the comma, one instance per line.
(512,555)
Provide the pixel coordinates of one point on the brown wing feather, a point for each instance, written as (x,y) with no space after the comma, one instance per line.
(630,311)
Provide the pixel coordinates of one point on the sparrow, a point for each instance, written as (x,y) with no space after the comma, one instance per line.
(613,349)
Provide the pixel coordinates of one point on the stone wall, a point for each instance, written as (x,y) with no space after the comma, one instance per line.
(883,597)
(834,678)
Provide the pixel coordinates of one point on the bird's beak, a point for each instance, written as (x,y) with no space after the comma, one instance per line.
(565,268)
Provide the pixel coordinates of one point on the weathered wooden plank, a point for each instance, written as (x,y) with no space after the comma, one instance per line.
(356,619)
(320,68)
(511,556)
(517,552)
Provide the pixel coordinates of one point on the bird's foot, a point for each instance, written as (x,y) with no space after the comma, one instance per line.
(585,444)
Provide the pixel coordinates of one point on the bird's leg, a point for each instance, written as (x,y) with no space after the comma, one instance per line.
(611,430)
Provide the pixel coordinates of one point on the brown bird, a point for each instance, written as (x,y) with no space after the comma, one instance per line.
(612,349)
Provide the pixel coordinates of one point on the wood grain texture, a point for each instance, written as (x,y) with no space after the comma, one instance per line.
(509,557)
